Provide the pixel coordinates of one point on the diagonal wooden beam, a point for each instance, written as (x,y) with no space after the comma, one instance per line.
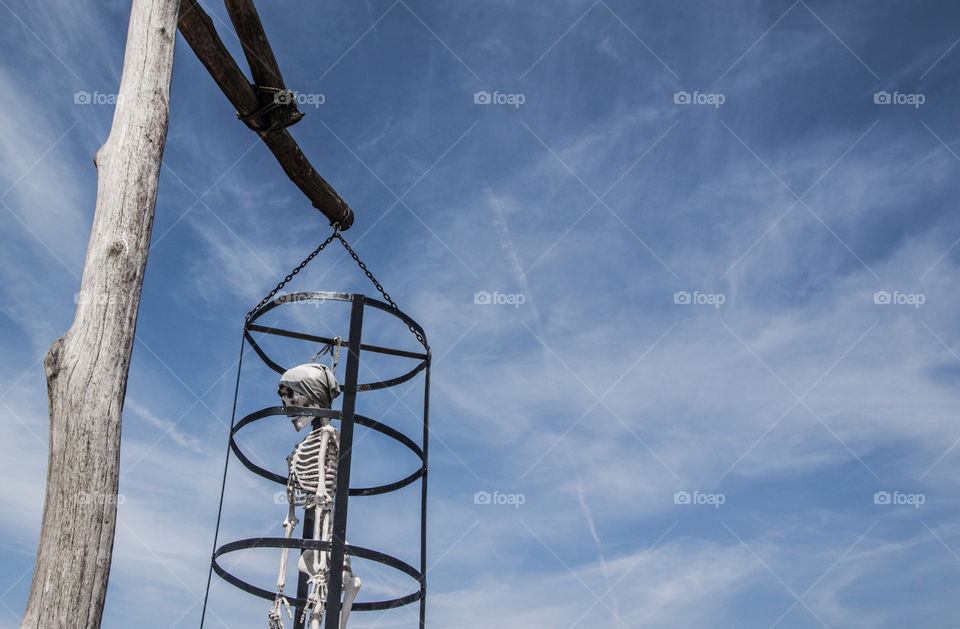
(256,47)
(279,107)
(198,29)
(199,32)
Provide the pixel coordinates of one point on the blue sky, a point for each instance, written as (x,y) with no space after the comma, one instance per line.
(737,272)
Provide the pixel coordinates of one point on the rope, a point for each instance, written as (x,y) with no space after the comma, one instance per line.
(330,348)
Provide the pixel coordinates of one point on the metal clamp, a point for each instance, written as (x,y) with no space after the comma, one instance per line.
(281,100)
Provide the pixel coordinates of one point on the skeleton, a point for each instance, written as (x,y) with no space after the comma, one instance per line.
(312,484)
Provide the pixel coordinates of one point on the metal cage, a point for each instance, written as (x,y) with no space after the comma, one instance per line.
(348,418)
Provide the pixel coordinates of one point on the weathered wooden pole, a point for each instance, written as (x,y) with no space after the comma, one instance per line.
(87,367)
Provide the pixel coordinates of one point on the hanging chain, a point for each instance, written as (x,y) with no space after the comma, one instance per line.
(363,267)
(386,296)
(294,272)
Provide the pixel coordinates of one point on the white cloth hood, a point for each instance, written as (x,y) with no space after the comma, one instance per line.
(313,380)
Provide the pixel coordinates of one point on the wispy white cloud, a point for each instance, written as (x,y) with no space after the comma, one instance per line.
(168,427)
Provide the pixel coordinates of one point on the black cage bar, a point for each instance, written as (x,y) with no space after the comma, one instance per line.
(348,418)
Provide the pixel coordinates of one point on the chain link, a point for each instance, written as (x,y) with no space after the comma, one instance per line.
(363,267)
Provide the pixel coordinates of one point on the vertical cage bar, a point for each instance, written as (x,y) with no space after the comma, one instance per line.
(423,496)
(335,586)
(223,487)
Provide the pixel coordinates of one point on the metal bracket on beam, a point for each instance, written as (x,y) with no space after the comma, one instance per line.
(278,111)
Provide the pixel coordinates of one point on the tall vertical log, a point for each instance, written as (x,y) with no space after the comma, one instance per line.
(87,367)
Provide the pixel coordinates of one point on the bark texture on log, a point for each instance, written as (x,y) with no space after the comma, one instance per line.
(199,32)
(87,367)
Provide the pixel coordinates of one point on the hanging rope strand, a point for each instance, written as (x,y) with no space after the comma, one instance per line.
(332,348)
(335,355)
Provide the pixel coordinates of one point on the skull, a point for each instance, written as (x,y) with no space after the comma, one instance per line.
(289,397)
(293,398)
(309,385)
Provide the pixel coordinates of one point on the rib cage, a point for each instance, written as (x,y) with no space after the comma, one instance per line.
(306,468)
